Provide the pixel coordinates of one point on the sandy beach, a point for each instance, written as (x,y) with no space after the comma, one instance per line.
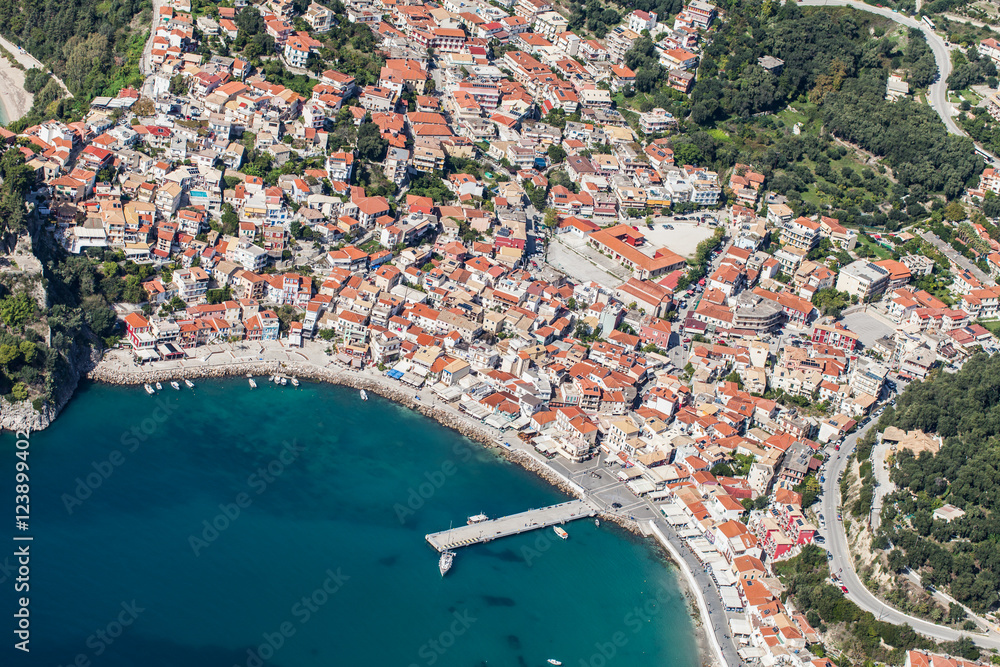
(14,99)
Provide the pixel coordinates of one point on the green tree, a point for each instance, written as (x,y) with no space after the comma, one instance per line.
(371,145)
(551,218)
(230,221)
(17,310)
(19,391)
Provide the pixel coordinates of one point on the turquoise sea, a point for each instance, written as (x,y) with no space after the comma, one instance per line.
(280,526)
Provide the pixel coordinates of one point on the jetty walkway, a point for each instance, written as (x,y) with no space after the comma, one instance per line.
(515,524)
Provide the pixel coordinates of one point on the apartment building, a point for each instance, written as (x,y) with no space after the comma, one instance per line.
(863,279)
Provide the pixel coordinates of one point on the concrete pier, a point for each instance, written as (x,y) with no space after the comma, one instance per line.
(515,524)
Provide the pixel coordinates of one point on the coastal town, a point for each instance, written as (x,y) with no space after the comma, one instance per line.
(477,222)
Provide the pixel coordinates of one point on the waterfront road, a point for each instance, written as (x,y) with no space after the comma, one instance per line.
(603,490)
(843,564)
(938,91)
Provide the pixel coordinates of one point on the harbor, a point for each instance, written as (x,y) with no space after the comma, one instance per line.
(514,524)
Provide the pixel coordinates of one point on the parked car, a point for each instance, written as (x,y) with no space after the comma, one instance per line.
(844,588)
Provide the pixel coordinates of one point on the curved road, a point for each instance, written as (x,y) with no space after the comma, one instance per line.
(843,564)
(938,91)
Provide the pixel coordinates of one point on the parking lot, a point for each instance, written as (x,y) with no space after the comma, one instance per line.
(682,239)
(571,255)
(867,326)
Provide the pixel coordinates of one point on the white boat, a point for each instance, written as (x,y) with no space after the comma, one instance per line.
(175,385)
(295,383)
(553,661)
(597,522)
(444,563)
(253,385)
(560,532)
(284,382)
(270,378)
(478,518)
(364,395)
(190,385)
(149,389)
(277,380)
(159,386)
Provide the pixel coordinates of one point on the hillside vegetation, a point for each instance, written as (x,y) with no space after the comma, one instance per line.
(961,557)
(92,45)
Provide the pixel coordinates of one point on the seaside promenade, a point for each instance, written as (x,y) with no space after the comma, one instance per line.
(589,480)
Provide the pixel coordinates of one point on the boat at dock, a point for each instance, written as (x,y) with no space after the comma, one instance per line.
(159,386)
(190,385)
(276,379)
(478,518)
(253,385)
(553,661)
(364,395)
(175,385)
(560,532)
(444,563)
(284,382)
(149,389)
(597,522)
(295,382)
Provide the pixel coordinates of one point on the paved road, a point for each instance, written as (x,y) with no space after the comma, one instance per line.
(884,485)
(843,564)
(28,61)
(938,91)
(146,65)
(606,489)
(956,257)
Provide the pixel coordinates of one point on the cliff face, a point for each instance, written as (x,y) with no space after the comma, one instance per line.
(22,416)
(23,270)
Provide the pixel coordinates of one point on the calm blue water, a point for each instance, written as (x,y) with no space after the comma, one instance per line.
(321,559)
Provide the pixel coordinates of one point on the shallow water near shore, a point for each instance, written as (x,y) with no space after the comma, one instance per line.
(282,526)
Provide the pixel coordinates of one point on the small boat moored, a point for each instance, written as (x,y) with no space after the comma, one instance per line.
(553,661)
(478,518)
(364,395)
(284,382)
(159,386)
(149,389)
(560,532)
(597,522)
(444,563)
(190,385)
(295,382)
(175,385)
(253,385)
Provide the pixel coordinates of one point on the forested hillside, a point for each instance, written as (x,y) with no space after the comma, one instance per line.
(962,557)
(837,60)
(95,46)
